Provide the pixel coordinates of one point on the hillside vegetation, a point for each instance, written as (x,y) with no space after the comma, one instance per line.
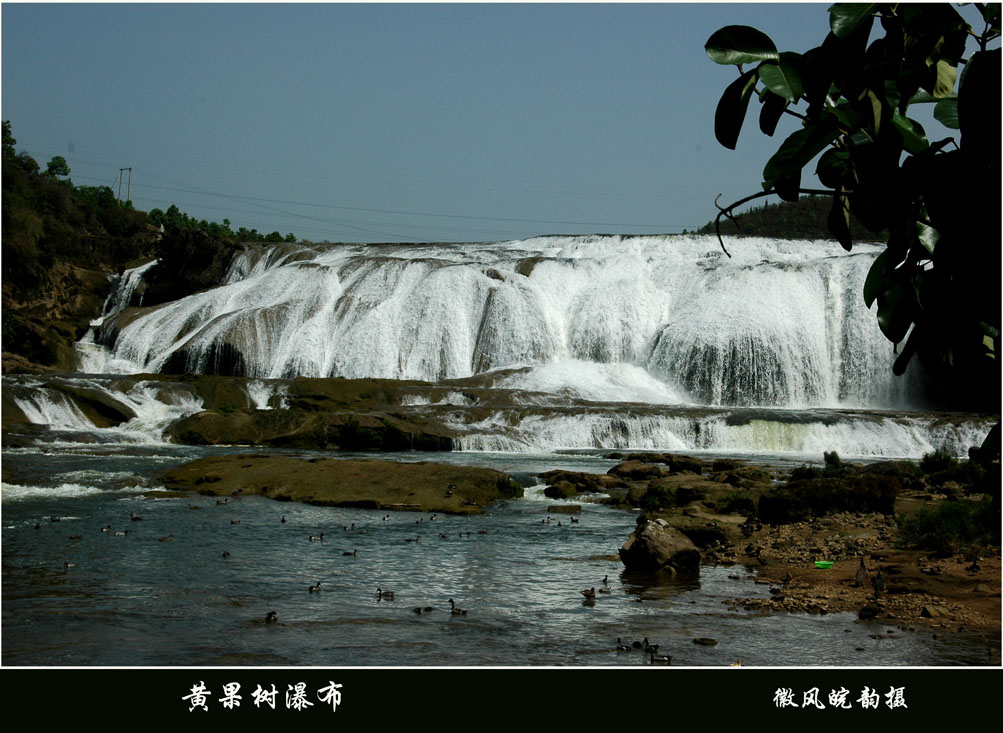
(63,244)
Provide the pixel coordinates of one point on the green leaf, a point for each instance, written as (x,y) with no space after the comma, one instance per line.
(798,150)
(991,15)
(875,110)
(913,137)
(928,236)
(946,113)
(978,102)
(740,44)
(770,114)
(874,285)
(833,167)
(922,97)
(895,312)
(784,78)
(788,186)
(731,108)
(838,220)
(946,76)
(845,17)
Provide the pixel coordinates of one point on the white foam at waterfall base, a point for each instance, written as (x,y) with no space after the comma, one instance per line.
(851,436)
(18,492)
(155,405)
(260,394)
(155,409)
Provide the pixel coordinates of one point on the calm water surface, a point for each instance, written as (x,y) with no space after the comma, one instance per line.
(135,600)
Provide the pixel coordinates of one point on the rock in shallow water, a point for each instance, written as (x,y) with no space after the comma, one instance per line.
(655,545)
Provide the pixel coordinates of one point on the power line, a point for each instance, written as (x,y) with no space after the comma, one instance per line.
(412,213)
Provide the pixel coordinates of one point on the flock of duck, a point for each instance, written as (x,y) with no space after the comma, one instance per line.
(271,617)
(648,648)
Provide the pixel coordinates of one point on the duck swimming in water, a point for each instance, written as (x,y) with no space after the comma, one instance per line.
(315,588)
(271,617)
(384,594)
(589,593)
(456,611)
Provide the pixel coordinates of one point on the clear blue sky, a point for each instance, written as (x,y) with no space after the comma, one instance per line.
(478,121)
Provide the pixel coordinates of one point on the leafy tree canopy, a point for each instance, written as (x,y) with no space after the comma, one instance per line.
(57,167)
(8,140)
(937,284)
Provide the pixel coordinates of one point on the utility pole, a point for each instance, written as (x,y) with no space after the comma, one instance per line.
(128,195)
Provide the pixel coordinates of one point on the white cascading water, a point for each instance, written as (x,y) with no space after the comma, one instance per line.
(780,324)
(861,436)
(93,358)
(606,342)
(153,405)
(43,406)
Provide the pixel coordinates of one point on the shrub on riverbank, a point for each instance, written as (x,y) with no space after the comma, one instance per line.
(950,527)
(816,497)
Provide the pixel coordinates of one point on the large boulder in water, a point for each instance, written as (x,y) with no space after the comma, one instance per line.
(656,545)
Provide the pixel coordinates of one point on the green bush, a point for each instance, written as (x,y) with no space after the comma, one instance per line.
(657,498)
(805,472)
(940,460)
(738,503)
(834,466)
(951,527)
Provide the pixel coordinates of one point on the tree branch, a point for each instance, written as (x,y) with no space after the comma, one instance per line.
(726,210)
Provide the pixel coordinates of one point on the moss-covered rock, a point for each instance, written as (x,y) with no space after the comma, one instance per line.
(635,471)
(561,490)
(297,428)
(430,487)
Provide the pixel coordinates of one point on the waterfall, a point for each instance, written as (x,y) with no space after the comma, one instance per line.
(43,406)
(92,358)
(537,345)
(780,324)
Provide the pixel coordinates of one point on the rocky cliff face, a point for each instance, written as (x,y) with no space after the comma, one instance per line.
(41,325)
(44,318)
